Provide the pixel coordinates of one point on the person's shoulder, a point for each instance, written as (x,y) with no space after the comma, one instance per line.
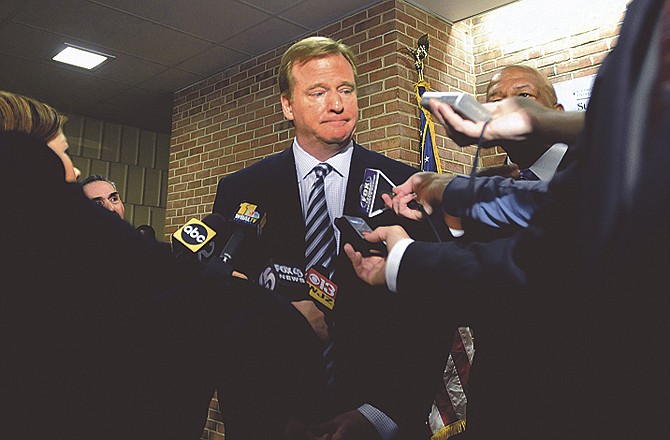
(257,170)
(251,179)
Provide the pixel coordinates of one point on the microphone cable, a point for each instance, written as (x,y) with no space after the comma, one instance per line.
(419,207)
(473,171)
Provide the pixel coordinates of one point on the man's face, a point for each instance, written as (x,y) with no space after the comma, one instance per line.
(520,82)
(103,193)
(323,105)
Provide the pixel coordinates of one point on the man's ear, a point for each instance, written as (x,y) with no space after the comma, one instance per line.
(559,107)
(286,107)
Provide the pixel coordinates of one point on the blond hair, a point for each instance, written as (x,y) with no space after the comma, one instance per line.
(28,115)
(306,50)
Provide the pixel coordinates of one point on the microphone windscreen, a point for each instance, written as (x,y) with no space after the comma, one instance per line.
(213,248)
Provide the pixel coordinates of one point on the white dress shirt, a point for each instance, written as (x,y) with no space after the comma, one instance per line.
(335,187)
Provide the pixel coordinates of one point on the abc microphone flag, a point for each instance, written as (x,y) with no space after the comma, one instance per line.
(194,235)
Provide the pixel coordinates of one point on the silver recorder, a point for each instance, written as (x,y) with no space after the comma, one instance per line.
(462,103)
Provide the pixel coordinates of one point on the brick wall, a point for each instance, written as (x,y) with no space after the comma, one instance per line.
(564,41)
(234,118)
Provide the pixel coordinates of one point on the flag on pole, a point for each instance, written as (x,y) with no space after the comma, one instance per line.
(430,160)
(448,413)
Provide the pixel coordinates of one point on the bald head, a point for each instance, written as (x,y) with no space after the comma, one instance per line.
(519,80)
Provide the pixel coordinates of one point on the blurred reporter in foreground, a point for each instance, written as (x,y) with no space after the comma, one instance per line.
(107,335)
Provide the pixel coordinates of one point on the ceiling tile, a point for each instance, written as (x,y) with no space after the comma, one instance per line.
(329,11)
(212,61)
(253,41)
(8,7)
(112,29)
(212,20)
(171,80)
(67,79)
(29,42)
(273,6)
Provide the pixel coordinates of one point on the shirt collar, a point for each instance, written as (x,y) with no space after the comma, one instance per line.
(305,162)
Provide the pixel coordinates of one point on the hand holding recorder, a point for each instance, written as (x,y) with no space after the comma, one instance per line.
(372,269)
(516,120)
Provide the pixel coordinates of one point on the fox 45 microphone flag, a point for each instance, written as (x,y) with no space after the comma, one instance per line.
(430,159)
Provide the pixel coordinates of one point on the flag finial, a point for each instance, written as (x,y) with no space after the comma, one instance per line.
(419,54)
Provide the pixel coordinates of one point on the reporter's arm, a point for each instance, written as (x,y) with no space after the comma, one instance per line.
(494,201)
(514,119)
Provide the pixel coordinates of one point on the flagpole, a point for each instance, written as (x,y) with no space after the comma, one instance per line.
(430,158)
(448,415)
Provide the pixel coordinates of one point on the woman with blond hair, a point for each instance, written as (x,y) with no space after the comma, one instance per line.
(27,115)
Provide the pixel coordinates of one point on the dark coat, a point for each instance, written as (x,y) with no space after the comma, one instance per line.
(389,352)
(570,315)
(106,334)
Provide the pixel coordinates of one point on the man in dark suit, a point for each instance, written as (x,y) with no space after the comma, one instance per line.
(588,276)
(385,368)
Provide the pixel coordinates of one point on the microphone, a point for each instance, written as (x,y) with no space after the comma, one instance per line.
(246,224)
(375,183)
(292,283)
(284,279)
(322,289)
(213,248)
(197,236)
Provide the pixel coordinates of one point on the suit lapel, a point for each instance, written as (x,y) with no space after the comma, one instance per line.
(285,225)
(360,159)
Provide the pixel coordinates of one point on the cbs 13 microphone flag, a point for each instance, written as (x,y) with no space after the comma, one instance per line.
(430,159)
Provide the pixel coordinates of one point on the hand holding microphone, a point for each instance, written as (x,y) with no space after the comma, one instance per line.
(372,269)
(424,188)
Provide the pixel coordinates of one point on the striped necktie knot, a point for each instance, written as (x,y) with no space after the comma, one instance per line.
(322,170)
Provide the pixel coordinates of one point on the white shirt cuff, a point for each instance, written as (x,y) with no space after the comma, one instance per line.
(386,427)
(456,232)
(393,263)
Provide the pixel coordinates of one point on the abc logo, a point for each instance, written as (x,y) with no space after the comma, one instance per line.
(193,234)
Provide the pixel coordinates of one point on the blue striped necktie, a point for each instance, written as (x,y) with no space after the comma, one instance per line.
(320,247)
(319,235)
